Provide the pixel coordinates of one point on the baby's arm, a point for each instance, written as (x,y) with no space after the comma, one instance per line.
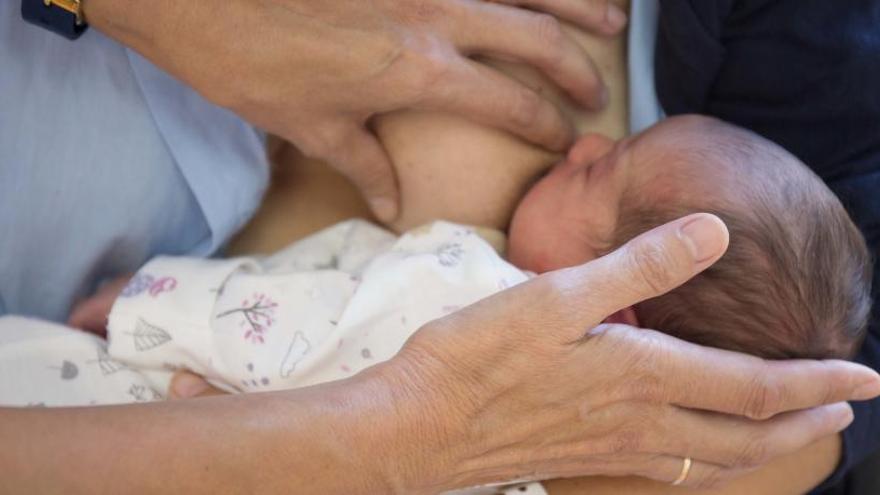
(243,322)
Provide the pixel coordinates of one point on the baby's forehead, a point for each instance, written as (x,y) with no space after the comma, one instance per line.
(695,146)
(673,149)
(683,162)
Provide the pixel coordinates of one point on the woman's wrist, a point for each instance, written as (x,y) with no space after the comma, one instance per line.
(358,427)
(137,25)
(412,432)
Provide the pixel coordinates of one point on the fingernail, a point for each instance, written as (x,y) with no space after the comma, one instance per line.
(614,17)
(384,209)
(867,390)
(702,237)
(186,385)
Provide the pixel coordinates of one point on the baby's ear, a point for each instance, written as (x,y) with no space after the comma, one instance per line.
(589,148)
(626,316)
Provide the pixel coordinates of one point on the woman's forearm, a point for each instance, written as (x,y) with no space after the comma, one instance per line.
(332,439)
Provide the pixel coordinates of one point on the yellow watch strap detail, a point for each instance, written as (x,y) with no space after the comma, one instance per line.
(72,6)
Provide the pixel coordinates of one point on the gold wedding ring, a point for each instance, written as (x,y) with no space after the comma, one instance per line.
(685,471)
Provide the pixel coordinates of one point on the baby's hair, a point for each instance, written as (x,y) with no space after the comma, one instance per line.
(796,279)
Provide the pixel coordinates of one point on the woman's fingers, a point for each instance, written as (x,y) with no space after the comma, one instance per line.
(719,439)
(597,16)
(358,155)
(700,377)
(653,440)
(742,443)
(186,385)
(486,96)
(538,40)
(698,474)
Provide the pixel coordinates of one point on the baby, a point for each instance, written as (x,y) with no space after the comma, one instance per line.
(794,283)
(796,280)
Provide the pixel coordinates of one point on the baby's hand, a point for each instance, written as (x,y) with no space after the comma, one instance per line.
(91,314)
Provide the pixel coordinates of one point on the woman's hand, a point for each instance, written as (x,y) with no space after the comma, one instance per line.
(315,72)
(529,385)
(525,385)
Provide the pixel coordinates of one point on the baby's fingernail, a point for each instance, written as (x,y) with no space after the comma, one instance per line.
(384,209)
(615,17)
(867,390)
(704,237)
(186,385)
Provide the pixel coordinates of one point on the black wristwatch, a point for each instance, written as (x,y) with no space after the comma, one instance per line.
(64,17)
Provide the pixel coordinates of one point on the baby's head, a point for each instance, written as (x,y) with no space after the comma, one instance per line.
(796,279)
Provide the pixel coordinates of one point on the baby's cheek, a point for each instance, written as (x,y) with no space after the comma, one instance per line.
(520,252)
(535,243)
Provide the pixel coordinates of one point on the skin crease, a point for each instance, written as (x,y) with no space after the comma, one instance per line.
(317,72)
(493,169)
(573,210)
(792,474)
(303,186)
(423,204)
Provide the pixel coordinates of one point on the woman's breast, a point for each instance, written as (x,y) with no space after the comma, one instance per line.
(453,169)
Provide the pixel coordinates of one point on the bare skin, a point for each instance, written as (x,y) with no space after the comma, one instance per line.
(329,198)
(620,396)
(317,72)
(500,168)
(199,467)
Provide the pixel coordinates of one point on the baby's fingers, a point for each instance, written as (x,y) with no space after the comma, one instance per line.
(186,385)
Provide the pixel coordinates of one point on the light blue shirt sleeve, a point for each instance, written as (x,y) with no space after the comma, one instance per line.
(644,106)
(105,162)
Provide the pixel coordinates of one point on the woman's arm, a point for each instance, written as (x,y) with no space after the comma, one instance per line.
(510,387)
(448,167)
(316,72)
(262,443)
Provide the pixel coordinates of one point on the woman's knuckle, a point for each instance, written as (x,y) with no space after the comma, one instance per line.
(524,108)
(549,33)
(765,398)
(646,388)
(754,452)
(420,11)
(626,441)
(434,70)
(414,65)
(654,266)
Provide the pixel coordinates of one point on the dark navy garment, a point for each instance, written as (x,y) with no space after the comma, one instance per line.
(802,73)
